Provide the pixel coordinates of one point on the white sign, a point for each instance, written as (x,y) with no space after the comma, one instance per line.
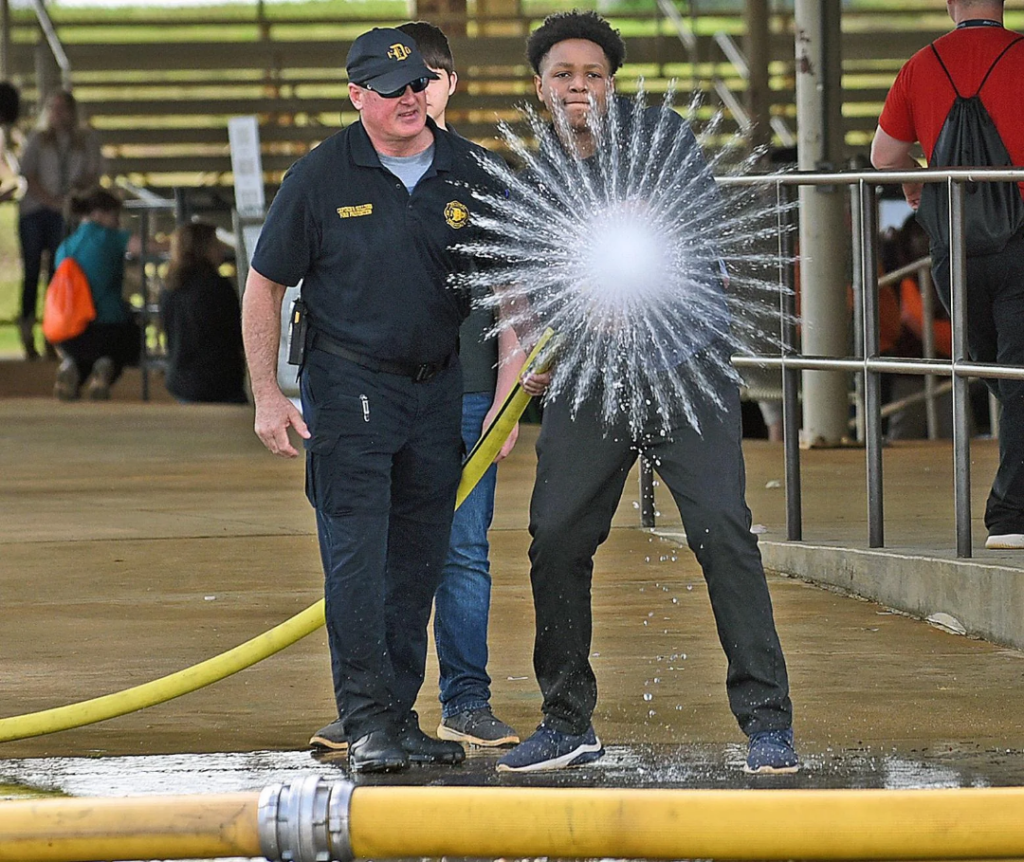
(246,165)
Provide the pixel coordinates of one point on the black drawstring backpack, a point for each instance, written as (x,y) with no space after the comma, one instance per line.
(993,211)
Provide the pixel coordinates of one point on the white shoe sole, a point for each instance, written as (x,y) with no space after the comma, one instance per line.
(557,762)
(1007,542)
(771,770)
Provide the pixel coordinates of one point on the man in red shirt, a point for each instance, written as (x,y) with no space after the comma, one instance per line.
(915,111)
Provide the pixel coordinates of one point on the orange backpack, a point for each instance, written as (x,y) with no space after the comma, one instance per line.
(68,308)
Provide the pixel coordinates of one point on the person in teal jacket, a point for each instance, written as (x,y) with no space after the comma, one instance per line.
(113,340)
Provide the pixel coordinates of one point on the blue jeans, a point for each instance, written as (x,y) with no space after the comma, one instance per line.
(463,599)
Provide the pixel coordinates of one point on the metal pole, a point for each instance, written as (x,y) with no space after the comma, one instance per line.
(790,376)
(646,493)
(961,433)
(5,40)
(823,249)
(872,380)
(860,285)
(759,96)
(924,280)
(993,415)
(144,288)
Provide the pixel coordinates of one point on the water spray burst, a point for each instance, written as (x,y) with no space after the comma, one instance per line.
(634,256)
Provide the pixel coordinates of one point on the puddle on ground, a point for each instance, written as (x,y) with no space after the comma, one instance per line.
(634,766)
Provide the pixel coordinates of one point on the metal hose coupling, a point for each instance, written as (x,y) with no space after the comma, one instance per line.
(306,820)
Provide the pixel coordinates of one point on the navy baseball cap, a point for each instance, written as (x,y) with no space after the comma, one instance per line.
(386,60)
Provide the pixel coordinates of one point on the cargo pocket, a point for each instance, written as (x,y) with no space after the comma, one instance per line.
(336,482)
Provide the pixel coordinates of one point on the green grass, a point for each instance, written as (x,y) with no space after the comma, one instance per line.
(10,279)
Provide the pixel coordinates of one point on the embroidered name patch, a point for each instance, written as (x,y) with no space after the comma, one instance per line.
(356,211)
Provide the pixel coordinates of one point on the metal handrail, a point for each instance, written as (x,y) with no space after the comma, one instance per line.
(56,48)
(735,56)
(958,368)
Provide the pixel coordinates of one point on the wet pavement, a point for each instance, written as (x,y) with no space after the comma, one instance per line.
(137,540)
(700,767)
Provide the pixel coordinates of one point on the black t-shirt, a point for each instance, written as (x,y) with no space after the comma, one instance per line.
(375,261)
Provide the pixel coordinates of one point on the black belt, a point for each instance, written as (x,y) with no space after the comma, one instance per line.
(416,373)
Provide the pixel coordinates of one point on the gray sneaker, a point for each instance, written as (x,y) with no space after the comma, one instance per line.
(331,737)
(477,727)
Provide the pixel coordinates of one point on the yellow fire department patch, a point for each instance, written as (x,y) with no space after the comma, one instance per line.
(456,214)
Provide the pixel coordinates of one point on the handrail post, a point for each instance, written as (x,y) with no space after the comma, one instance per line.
(924,281)
(790,376)
(647,512)
(859,281)
(144,288)
(872,379)
(961,431)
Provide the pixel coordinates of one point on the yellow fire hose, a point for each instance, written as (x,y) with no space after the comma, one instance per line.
(312,819)
(276,639)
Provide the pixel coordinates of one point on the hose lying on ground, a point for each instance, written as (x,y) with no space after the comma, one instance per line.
(274,640)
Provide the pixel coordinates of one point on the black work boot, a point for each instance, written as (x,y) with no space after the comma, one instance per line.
(425,749)
(377,751)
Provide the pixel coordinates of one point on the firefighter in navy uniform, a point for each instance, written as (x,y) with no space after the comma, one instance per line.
(367,222)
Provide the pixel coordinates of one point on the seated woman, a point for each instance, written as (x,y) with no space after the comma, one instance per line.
(202,321)
(113,340)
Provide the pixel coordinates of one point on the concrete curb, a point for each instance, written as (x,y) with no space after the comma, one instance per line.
(986,599)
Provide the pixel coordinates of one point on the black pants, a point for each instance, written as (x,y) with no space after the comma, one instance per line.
(120,342)
(382,468)
(995,335)
(580,475)
(41,231)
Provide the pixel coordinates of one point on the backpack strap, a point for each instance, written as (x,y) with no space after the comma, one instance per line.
(984,80)
(952,83)
(997,59)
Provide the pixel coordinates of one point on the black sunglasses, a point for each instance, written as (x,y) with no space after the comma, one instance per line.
(418,86)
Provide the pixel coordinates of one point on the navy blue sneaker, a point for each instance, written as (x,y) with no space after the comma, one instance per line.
(552,749)
(771,751)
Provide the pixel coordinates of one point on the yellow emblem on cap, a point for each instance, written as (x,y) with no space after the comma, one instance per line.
(456,214)
(398,51)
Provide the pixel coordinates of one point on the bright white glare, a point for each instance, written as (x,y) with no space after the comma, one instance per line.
(625,261)
(623,255)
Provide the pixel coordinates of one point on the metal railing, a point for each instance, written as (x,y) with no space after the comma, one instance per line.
(56,48)
(870,364)
(732,52)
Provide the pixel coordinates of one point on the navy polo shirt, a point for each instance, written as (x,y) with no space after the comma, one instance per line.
(374,261)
